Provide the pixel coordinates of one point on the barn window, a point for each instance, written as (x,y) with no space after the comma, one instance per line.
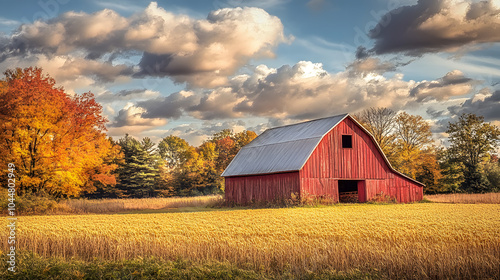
(346,141)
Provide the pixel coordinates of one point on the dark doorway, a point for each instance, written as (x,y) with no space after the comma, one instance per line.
(348,191)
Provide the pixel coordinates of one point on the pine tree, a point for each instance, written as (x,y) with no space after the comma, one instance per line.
(139,174)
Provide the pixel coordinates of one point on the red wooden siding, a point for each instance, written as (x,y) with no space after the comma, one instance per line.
(328,163)
(320,187)
(245,189)
(364,162)
(330,160)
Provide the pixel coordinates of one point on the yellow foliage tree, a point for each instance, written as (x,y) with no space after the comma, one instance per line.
(56,141)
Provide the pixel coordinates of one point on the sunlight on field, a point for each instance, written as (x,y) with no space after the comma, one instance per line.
(465,198)
(413,240)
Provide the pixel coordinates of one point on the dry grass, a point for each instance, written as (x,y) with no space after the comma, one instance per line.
(101,206)
(411,241)
(465,198)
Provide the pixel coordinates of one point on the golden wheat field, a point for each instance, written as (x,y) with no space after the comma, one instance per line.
(414,241)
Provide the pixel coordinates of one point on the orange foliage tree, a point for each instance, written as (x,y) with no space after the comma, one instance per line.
(56,141)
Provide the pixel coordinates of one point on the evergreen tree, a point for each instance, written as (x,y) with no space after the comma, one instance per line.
(139,174)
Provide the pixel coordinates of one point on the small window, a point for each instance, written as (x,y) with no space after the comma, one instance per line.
(346,141)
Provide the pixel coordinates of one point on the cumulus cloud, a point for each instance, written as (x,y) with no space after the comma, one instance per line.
(437,25)
(484,103)
(452,84)
(73,72)
(202,52)
(305,91)
(171,106)
(302,91)
(132,116)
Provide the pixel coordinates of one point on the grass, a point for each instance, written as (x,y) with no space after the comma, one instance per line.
(38,205)
(101,206)
(33,266)
(396,241)
(493,198)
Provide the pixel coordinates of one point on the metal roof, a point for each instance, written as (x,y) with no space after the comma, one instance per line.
(281,149)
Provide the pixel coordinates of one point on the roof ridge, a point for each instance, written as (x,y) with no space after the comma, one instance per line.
(292,124)
(275,143)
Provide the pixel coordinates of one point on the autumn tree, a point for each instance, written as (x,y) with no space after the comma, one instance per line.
(56,141)
(471,141)
(380,122)
(413,141)
(183,165)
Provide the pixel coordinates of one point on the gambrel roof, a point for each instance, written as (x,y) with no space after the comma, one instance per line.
(287,148)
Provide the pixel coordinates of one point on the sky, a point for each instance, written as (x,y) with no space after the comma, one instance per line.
(193,68)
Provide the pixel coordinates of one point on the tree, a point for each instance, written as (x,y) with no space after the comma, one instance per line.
(452,172)
(491,169)
(413,135)
(471,140)
(428,170)
(139,173)
(175,151)
(183,165)
(57,142)
(380,122)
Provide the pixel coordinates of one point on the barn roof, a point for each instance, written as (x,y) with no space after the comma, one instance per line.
(287,148)
(281,149)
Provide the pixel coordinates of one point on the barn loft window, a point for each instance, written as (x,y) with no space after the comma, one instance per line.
(346,141)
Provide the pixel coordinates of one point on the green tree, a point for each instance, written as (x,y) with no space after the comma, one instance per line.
(452,172)
(471,141)
(139,173)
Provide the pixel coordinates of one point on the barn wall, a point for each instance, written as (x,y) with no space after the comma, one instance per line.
(320,187)
(330,162)
(404,190)
(245,189)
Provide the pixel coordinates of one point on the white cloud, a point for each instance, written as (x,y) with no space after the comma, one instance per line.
(202,52)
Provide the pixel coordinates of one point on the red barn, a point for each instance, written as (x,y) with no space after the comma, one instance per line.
(334,157)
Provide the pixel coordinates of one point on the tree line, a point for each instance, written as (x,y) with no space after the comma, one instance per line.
(59,146)
(469,164)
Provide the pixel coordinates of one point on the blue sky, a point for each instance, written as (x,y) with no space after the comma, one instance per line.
(192,68)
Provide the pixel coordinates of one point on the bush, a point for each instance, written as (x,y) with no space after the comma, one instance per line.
(33,204)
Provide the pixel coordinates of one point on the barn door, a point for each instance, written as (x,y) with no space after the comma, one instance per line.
(362,191)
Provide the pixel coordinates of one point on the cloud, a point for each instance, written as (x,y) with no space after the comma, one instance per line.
(132,116)
(483,103)
(202,52)
(371,65)
(302,91)
(171,106)
(127,94)
(452,84)
(437,25)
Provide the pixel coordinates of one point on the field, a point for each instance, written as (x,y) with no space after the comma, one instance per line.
(100,206)
(397,241)
(465,198)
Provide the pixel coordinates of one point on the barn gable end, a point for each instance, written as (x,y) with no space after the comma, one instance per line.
(309,159)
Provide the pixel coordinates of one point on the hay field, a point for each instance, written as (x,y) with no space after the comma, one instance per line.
(465,198)
(413,241)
